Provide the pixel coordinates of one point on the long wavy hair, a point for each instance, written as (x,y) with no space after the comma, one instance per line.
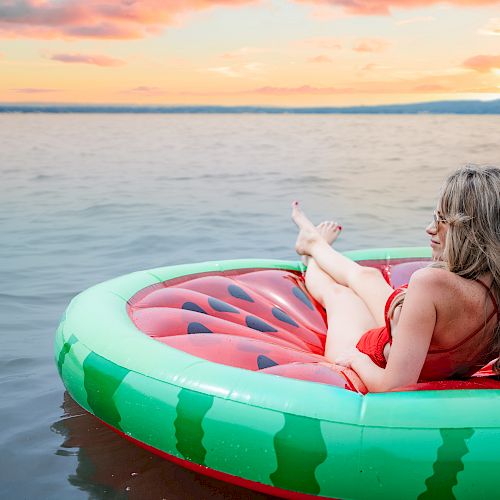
(470,205)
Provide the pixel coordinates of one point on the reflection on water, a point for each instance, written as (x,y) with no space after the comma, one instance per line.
(111,467)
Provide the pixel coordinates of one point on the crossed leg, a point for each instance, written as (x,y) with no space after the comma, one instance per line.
(347,315)
(354,296)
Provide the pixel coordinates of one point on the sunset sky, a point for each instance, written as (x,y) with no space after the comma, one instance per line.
(254,52)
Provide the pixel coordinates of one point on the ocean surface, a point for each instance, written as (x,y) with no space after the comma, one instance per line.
(87,197)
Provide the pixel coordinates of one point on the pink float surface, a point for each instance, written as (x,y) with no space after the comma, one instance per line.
(262,320)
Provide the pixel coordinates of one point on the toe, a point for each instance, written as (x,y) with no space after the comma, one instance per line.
(300,217)
(296,211)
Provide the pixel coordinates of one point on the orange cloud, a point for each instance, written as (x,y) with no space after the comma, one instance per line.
(95,59)
(370,67)
(482,63)
(371,45)
(320,59)
(115,19)
(383,7)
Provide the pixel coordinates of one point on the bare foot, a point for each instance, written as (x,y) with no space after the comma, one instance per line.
(308,234)
(329,230)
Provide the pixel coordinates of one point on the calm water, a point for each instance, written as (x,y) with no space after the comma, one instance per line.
(88,197)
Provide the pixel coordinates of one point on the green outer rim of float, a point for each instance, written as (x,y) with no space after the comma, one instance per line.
(202,412)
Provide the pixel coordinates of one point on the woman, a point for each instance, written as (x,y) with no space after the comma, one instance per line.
(449,323)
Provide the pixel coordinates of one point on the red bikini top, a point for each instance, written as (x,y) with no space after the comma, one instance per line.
(388,305)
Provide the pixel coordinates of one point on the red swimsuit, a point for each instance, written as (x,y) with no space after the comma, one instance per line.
(458,361)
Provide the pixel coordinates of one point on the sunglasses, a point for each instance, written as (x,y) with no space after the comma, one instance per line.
(436,218)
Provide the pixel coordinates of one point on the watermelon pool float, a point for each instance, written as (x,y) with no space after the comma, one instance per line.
(219,367)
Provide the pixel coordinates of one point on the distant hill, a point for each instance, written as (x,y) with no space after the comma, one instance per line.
(439,107)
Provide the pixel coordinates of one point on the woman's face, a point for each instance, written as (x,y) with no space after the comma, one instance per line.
(437,230)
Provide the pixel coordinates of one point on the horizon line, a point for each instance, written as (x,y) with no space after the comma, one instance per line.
(472,106)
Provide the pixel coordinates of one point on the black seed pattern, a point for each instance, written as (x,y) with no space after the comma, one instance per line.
(239,293)
(283,316)
(198,328)
(258,324)
(302,297)
(265,362)
(219,305)
(191,306)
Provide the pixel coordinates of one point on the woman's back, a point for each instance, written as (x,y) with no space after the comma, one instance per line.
(466,317)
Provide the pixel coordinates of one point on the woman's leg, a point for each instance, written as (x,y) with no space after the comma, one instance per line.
(329,231)
(366,282)
(347,315)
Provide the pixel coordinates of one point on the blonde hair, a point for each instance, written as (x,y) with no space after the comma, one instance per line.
(470,205)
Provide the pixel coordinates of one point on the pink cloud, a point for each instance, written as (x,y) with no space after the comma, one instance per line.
(320,59)
(414,20)
(431,87)
(243,52)
(304,89)
(370,45)
(145,90)
(33,90)
(114,19)
(459,83)
(368,69)
(132,19)
(96,59)
(482,63)
(278,91)
(383,7)
(324,43)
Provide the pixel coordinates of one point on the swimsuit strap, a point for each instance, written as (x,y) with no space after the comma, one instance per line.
(389,302)
(492,297)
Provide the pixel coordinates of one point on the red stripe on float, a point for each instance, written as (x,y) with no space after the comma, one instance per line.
(221,476)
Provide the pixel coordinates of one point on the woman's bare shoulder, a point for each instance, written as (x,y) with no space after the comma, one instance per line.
(432,277)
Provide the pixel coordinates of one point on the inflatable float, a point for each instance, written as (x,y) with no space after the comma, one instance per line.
(218,367)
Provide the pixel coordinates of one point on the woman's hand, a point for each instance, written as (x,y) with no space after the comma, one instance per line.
(348,357)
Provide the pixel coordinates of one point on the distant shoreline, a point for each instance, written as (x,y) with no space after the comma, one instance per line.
(438,107)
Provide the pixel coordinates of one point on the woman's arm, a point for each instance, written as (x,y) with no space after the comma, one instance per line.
(411,339)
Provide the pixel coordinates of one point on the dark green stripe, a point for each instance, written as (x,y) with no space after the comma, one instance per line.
(448,464)
(191,410)
(65,350)
(101,379)
(300,448)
